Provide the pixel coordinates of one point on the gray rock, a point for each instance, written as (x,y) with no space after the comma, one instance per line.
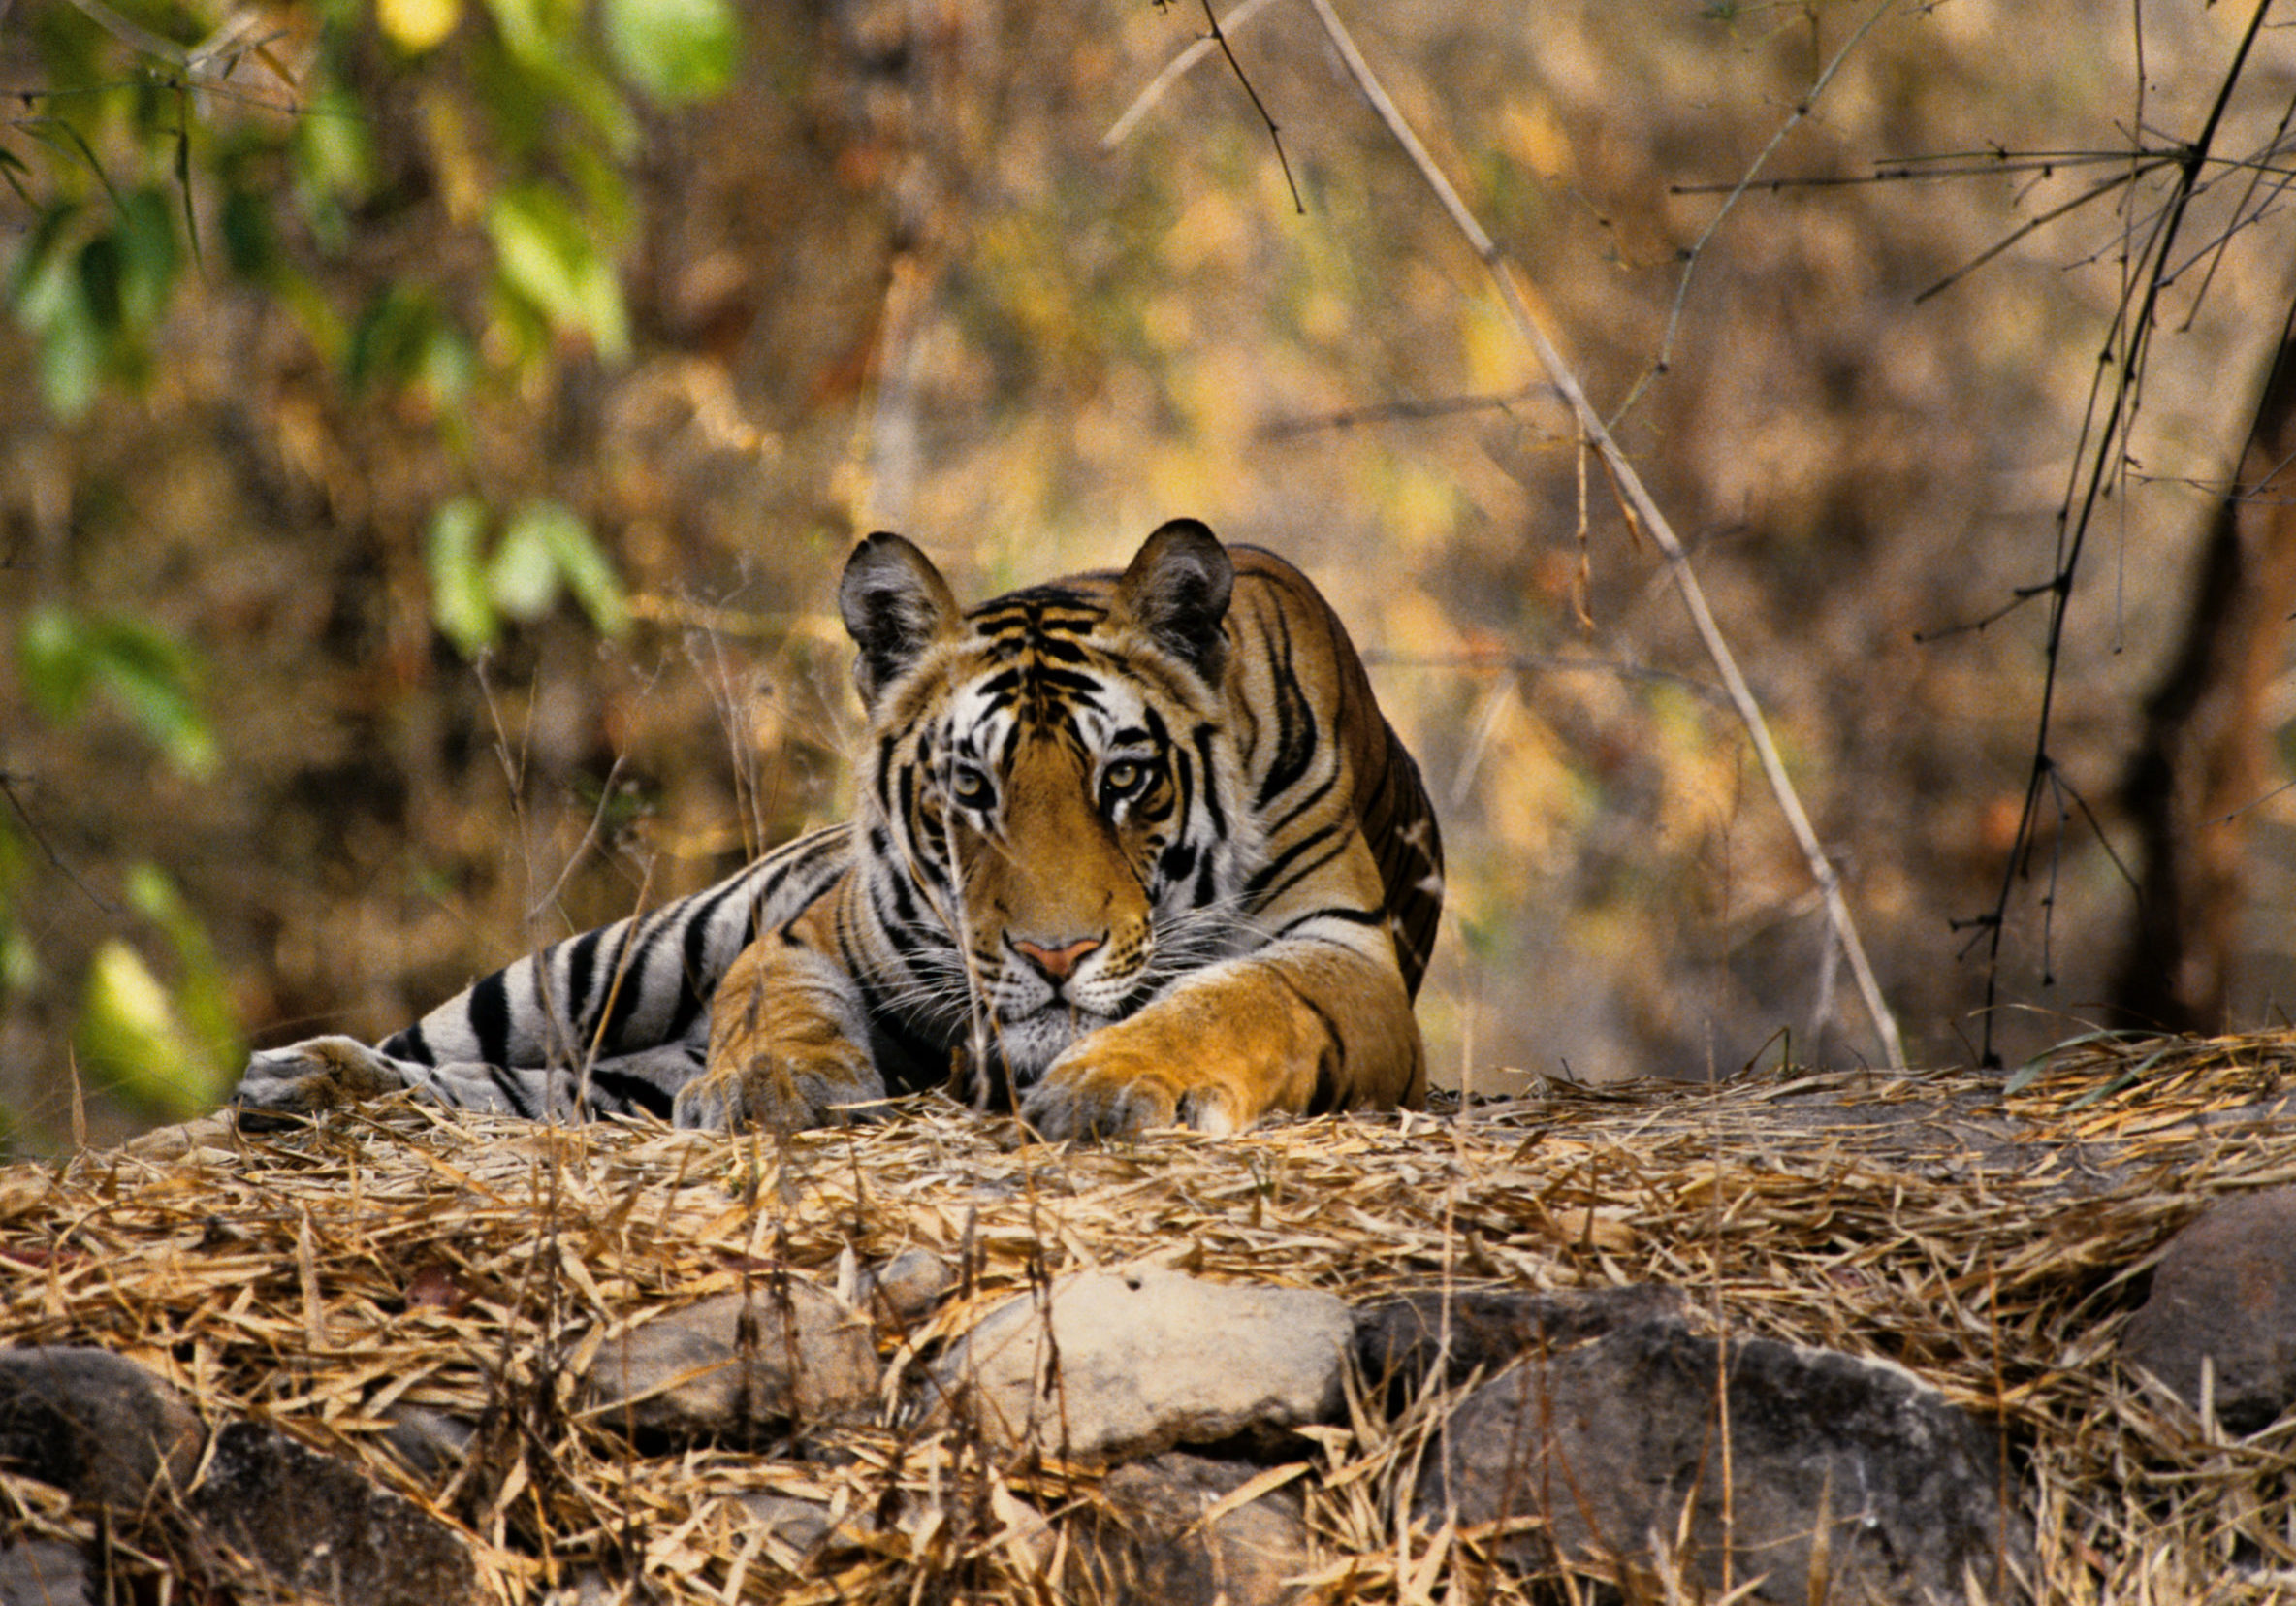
(320,1526)
(1147,1358)
(801,1525)
(738,1366)
(94,1425)
(1149,1542)
(1609,1441)
(902,1292)
(43,1572)
(431,1443)
(1397,1341)
(2225,1294)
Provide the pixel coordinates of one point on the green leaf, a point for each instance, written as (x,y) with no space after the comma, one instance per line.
(131,1035)
(100,274)
(583,564)
(150,675)
(525,33)
(462,599)
(547,257)
(674,49)
(250,242)
(56,670)
(523,578)
(149,257)
(203,996)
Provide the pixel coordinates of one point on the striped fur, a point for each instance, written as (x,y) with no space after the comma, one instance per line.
(1129,850)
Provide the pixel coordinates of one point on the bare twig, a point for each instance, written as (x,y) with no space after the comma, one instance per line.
(1690,258)
(1644,512)
(1275,135)
(47,849)
(2102,449)
(1173,71)
(1404,412)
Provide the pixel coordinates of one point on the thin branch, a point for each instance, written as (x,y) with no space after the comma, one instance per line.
(1275,136)
(2102,187)
(1391,412)
(131,35)
(2133,325)
(1173,71)
(31,827)
(1644,512)
(598,820)
(1545,663)
(1802,109)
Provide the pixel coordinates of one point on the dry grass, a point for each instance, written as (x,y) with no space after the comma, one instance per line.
(1994,1245)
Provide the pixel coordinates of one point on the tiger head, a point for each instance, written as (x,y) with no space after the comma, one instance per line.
(1049,813)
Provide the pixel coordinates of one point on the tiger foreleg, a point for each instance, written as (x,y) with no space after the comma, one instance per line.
(788,1045)
(335,1073)
(310,1077)
(1289,1030)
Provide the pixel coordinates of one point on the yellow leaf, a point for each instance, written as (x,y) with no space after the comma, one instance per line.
(416,25)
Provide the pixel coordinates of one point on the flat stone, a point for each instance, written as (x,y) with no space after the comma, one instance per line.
(903,1291)
(318,1525)
(46,1572)
(800,1525)
(94,1425)
(739,1367)
(1148,1359)
(1148,1541)
(1609,1441)
(431,1443)
(1399,1341)
(2225,1295)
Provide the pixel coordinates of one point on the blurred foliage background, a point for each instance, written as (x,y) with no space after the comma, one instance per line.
(433,429)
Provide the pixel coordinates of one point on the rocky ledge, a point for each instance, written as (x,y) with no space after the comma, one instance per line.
(1834,1338)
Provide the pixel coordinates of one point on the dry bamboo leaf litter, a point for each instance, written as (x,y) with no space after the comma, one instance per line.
(318,1279)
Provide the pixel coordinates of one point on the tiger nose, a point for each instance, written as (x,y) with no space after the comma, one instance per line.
(1055,962)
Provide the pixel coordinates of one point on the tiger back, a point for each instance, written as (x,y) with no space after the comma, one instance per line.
(1129,850)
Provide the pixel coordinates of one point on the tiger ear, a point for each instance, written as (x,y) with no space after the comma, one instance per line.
(1177,591)
(895,605)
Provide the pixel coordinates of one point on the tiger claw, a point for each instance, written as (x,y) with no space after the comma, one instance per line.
(1083,1106)
(308,1078)
(771,1098)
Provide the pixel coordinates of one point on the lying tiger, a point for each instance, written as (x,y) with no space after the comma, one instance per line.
(1131,850)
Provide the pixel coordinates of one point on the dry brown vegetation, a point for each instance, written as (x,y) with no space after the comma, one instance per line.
(1994,1245)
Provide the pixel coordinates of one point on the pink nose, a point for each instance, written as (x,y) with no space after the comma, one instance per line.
(1055,962)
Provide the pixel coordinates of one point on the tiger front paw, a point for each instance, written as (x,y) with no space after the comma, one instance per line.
(306,1078)
(771,1093)
(1097,1090)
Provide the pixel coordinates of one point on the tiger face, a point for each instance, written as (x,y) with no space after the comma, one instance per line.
(1052,787)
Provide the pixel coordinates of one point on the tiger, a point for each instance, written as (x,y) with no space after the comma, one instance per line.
(1129,851)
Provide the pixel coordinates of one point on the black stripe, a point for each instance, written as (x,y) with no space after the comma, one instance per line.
(627,1092)
(1306,803)
(694,988)
(490,1018)
(1296,722)
(1268,872)
(1352,917)
(1209,787)
(1273,892)
(629,970)
(410,1045)
(508,1083)
(581,958)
